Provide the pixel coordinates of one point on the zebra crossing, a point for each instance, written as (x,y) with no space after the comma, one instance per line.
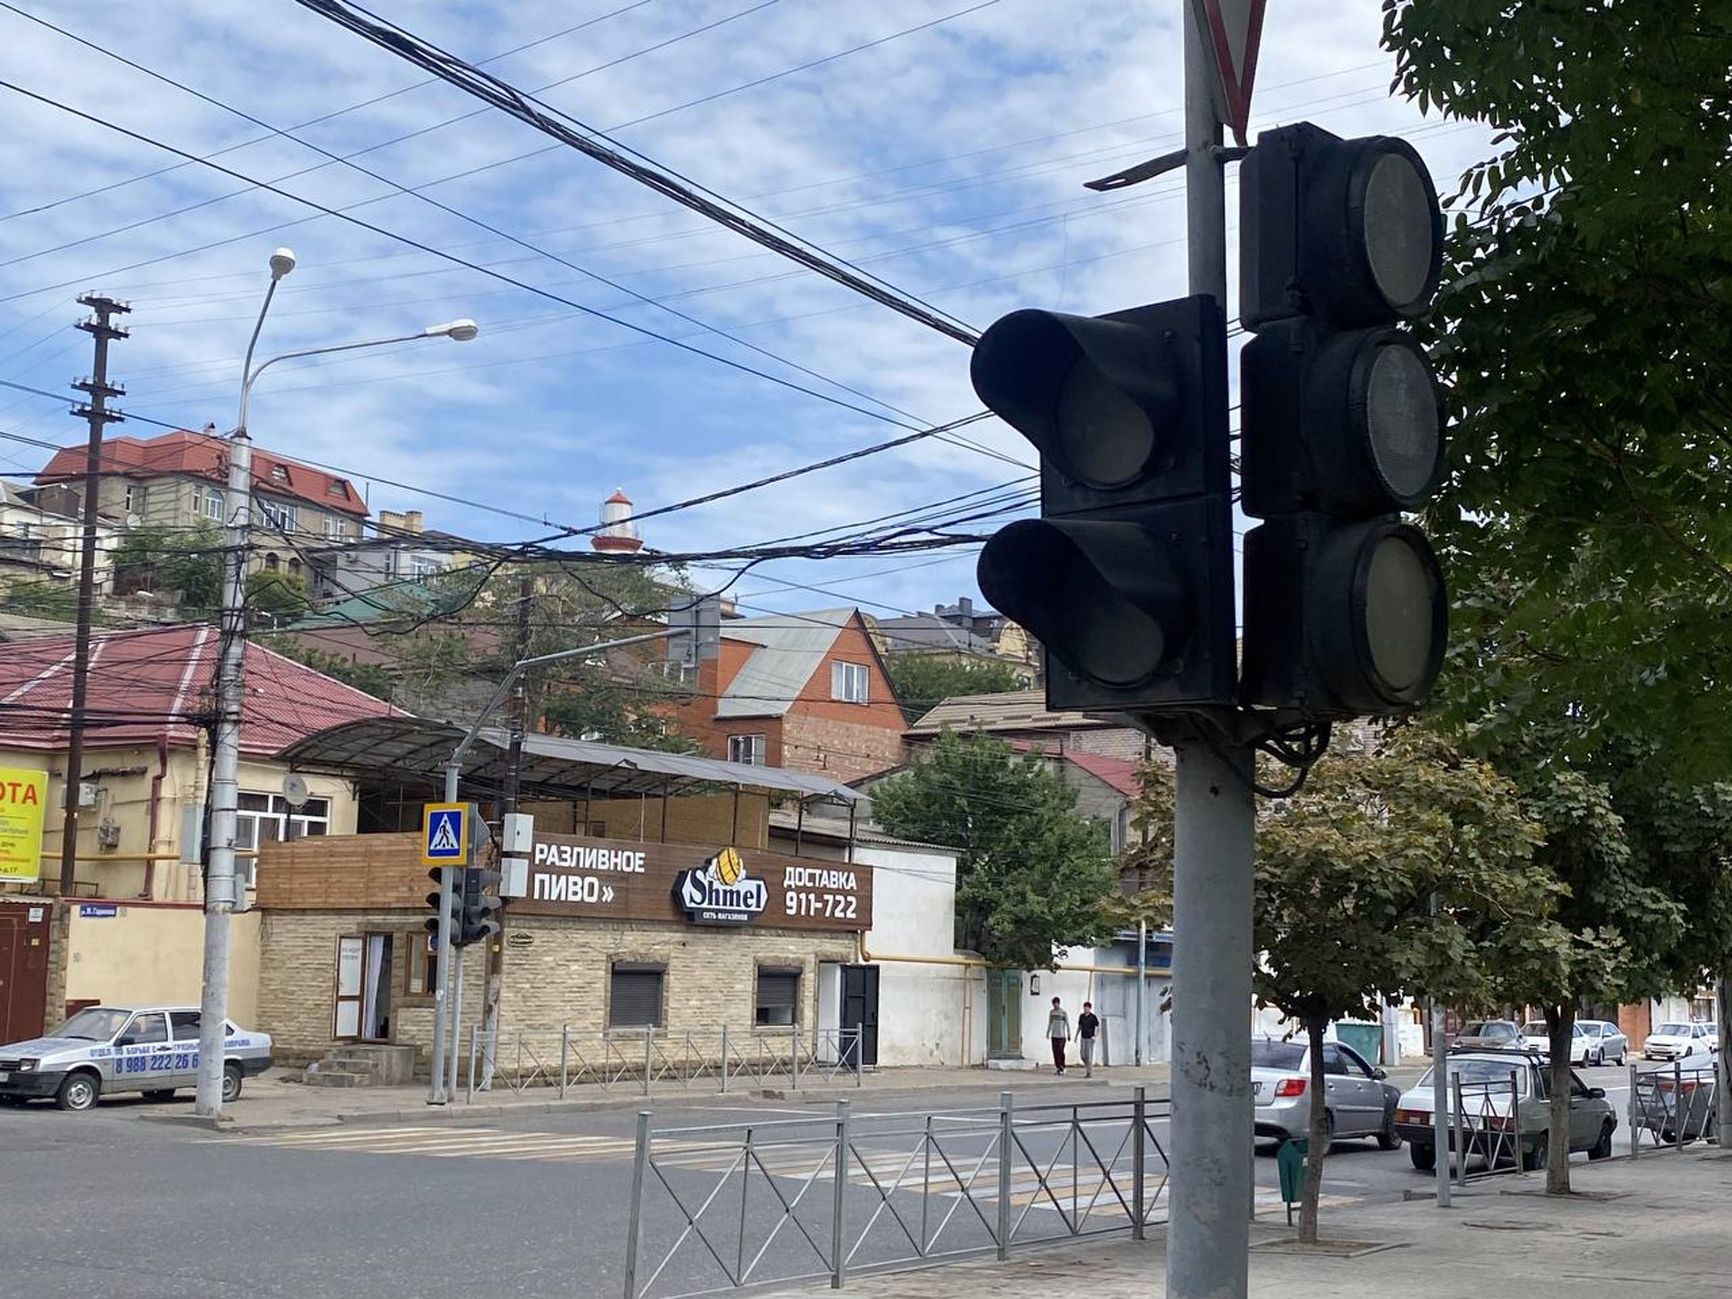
(1069,1185)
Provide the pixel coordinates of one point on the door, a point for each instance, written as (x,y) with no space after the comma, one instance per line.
(183,1026)
(24,938)
(860,1010)
(376,989)
(1372,1102)
(351,983)
(143,1055)
(1344,1094)
(1003,1015)
(1584,1117)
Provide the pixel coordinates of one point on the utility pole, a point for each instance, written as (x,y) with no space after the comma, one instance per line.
(519,706)
(1214,818)
(103,330)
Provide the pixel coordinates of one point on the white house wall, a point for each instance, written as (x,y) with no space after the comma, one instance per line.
(928,1014)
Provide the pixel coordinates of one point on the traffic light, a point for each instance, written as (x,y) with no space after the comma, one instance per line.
(1127,577)
(1341,425)
(432,921)
(476,910)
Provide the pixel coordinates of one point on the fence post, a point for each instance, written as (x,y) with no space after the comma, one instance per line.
(1460,1134)
(1679,1115)
(564,1057)
(634,1225)
(1006,1120)
(647,1047)
(859,1054)
(1139,1207)
(1515,1118)
(469,1086)
(838,1260)
(796,1061)
(724,1059)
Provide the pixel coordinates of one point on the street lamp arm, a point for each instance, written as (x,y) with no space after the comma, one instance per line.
(253,374)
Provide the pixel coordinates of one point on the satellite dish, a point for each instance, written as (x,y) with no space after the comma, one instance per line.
(294,789)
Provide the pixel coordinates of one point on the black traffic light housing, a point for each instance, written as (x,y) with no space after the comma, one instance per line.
(1126,578)
(432,922)
(477,909)
(1341,426)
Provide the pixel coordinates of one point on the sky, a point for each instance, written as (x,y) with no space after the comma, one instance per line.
(938,144)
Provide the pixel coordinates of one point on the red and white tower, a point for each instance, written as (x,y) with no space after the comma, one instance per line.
(618,535)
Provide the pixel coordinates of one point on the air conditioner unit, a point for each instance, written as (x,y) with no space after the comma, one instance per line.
(86,794)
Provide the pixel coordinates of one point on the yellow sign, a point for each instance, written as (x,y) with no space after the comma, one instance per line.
(445,833)
(23,795)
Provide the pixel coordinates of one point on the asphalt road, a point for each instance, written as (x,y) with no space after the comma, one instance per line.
(539,1204)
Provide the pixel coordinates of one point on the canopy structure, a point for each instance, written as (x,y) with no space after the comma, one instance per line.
(553,767)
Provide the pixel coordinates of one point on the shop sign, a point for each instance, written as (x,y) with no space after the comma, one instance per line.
(520,938)
(721,892)
(22,795)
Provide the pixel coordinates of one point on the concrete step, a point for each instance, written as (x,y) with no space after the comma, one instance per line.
(317,1077)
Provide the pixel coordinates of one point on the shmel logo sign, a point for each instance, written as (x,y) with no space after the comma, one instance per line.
(720,892)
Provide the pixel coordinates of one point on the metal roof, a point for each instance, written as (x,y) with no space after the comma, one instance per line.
(1014,710)
(553,767)
(790,648)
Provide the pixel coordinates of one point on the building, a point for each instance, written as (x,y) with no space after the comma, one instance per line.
(401,551)
(658,913)
(41,548)
(958,630)
(805,691)
(132,925)
(180,480)
(1021,717)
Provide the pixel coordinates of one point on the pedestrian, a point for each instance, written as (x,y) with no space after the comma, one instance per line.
(1058,1029)
(1087,1025)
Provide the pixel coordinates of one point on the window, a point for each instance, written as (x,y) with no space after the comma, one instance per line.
(848,682)
(333,527)
(338,487)
(135,498)
(209,502)
(421,970)
(272,562)
(279,473)
(635,995)
(144,1029)
(748,749)
(778,994)
(421,567)
(186,1025)
(279,515)
(1333,1061)
(268,818)
(1269,1054)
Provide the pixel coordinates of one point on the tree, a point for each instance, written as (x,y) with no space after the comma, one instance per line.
(923,681)
(1403,868)
(1032,875)
(372,678)
(280,595)
(596,706)
(184,562)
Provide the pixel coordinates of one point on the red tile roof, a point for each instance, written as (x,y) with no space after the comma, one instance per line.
(145,684)
(205,456)
(1119,773)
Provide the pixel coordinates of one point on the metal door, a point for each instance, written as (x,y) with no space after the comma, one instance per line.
(1003,1015)
(24,943)
(860,1011)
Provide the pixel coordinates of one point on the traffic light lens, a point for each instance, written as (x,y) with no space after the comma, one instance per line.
(1401,594)
(1399,232)
(1103,437)
(1402,421)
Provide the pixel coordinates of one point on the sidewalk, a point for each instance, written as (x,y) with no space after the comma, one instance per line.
(279,1100)
(1658,1220)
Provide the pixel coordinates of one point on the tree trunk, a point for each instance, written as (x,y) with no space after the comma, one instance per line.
(1560,1022)
(1317,1147)
(1723,1088)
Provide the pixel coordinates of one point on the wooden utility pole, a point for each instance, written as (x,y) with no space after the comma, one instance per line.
(102,329)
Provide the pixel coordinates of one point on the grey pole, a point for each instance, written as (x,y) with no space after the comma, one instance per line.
(436,1094)
(1142,983)
(1215,813)
(1440,1102)
(1139,1162)
(454,1034)
(839,1188)
(1635,1132)
(634,1224)
(1006,1135)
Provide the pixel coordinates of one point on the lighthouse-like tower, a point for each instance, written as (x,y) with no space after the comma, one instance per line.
(618,535)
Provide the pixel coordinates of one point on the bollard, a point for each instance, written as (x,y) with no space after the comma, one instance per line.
(1635,1132)
(564,1057)
(724,1059)
(1139,1209)
(647,1048)
(1006,1128)
(1678,1105)
(634,1224)
(838,1261)
(796,1061)
(859,1054)
(1515,1114)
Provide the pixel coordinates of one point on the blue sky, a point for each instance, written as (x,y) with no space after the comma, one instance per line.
(948,161)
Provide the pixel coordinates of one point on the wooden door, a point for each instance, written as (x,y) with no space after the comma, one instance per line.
(351,984)
(24,945)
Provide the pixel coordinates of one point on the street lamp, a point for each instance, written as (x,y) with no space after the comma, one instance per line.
(224,891)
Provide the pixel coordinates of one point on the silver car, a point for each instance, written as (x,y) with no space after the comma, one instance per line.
(1357,1102)
(1608,1045)
(1492,1130)
(149,1049)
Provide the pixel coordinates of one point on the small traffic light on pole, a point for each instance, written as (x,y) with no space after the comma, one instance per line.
(437,897)
(1341,425)
(476,920)
(1126,578)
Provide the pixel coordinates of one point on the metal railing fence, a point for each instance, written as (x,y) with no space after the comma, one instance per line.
(1674,1107)
(720,1207)
(1486,1121)
(643,1059)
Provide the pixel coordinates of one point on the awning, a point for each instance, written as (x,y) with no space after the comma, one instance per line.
(553,767)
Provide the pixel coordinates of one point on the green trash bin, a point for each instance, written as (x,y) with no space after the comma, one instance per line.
(1367,1039)
(1290,1164)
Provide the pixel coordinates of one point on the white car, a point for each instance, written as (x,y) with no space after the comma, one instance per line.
(1678,1041)
(1537,1037)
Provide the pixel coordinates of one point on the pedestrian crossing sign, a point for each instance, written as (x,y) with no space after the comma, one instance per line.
(445,833)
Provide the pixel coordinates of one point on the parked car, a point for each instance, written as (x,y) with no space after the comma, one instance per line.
(1487,1035)
(1677,1041)
(1607,1040)
(1537,1037)
(1357,1101)
(1488,1075)
(149,1049)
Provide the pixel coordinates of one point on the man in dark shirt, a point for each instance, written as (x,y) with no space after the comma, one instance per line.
(1087,1025)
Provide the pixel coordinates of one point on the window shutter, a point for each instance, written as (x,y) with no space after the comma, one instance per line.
(778,993)
(636,997)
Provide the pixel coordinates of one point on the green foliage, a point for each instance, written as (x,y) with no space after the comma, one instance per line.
(1032,873)
(278,593)
(184,562)
(597,706)
(922,681)
(373,678)
(42,599)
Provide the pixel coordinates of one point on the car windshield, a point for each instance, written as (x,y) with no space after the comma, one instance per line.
(94,1024)
(1489,1028)
(1672,1030)
(1481,1071)
(1276,1055)
(1535,1028)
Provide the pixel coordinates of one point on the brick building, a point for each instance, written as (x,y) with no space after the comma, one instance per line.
(805,691)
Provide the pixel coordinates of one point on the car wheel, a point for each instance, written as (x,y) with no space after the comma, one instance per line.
(1534,1158)
(1602,1149)
(1328,1130)
(1389,1138)
(78,1091)
(160,1094)
(231,1082)
(1424,1157)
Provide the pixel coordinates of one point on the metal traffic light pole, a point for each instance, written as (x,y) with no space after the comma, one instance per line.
(1214,819)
